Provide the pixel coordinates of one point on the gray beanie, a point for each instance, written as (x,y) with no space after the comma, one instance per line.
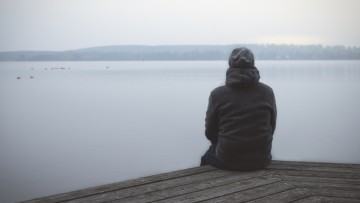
(241,58)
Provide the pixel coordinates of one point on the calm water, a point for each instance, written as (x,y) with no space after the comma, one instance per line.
(71,125)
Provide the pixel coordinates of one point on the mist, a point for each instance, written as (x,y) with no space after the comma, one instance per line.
(66,25)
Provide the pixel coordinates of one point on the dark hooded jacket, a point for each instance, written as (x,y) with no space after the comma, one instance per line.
(241,120)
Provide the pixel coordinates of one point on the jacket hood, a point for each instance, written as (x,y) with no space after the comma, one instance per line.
(242,76)
(241,58)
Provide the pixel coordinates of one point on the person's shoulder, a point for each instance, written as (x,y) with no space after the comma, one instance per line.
(265,86)
(219,90)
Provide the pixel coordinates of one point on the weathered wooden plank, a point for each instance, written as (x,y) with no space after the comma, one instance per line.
(325,185)
(321,179)
(313,168)
(314,164)
(224,190)
(254,193)
(193,187)
(280,181)
(316,199)
(156,186)
(286,196)
(121,185)
(334,193)
(314,173)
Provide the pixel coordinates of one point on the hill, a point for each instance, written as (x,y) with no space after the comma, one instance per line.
(187,52)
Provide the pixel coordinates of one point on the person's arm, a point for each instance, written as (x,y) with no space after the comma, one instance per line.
(273,115)
(211,122)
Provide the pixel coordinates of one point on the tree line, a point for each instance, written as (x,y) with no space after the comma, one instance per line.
(187,52)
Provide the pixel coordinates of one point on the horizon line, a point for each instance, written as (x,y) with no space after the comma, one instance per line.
(164,45)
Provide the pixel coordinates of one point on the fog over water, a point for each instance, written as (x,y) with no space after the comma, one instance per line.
(69,24)
(72,125)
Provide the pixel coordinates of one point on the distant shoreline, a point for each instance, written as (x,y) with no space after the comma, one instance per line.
(186,53)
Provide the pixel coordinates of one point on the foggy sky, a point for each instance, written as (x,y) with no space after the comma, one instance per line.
(72,24)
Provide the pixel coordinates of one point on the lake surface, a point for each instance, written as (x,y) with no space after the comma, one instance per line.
(72,125)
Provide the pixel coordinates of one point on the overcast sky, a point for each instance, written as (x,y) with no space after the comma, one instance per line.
(72,24)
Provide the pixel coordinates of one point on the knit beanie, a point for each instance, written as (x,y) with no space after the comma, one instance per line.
(241,58)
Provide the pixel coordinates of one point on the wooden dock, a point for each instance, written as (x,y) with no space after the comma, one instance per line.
(281,181)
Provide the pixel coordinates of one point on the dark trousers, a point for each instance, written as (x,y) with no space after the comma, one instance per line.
(209,158)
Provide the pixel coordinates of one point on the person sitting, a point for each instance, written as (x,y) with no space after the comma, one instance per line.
(240,118)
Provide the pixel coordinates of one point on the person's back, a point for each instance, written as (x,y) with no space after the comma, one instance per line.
(241,118)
